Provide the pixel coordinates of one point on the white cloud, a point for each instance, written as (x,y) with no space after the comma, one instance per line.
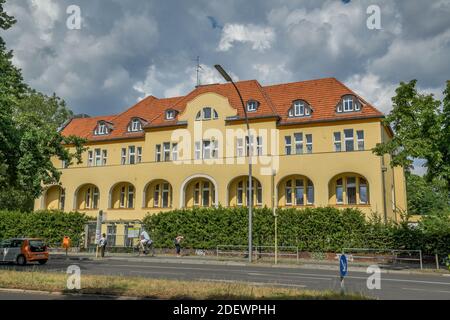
(272,73)
(373,90)
(45,13)
(260,37)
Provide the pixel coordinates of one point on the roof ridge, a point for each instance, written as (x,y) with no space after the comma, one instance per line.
(294,82)
(267,97)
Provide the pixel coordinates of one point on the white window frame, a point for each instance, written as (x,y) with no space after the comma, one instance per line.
(123,156)
(156,194)
(259,145)
(102,129)
(240,193)
(122,198)
(309,144)
(348,104)
(206,146)
(197,150)
(288,145)
(214,149)
(342,192)
(252,106)
(130,195)
(170,114)
(166,151)
(360,140)
(131,155)
(95,198)
(301,186)
(135,126)
(298,141)
(104,157)
(87,199)
(349,138)
(299,109)
(337,142)
(174,151)
(139,155)
(90,158)
(97,157)
(239,147)
(158,157)
(210,113)
(288,199)
(367,191)
(165,191)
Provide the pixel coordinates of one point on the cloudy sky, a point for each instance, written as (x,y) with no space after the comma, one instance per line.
(126,50)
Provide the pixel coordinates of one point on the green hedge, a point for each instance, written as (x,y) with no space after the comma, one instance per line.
(49,225)
(318,229)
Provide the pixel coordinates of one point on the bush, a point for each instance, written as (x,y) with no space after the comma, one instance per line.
(316,230)
(49,225)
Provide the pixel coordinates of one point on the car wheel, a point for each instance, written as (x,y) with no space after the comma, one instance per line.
(21,260)
(42,261)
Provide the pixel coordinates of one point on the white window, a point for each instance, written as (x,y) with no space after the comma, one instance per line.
(197,194)
(299,109)
(309,143)
(348,104)
(130,197)
(158,153)
(98,157)
(215,114)
(298,137)
(207,113)
(351,190)
(239,147)
(90,158)
(88,198)
(215,149)
(258,194)
(337,142)
(363,191)
(240,193)
(252,106)
(166,151)
(197,150)
(205,194)
(131,155)
(122,197)
(299,192)
(287,145)
(101,129)
(123,159)
(310,193)
(249,145)
(95,197)
(62,199)
(259,146)
(206,149)
(170,114)
(174,151)
(288,191)
(135,125)
(348,137)
(165,195)
(360,139)
(339,191)
(104,157)
(139,155)
(156,196)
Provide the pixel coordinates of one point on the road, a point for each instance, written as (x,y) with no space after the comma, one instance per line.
(393,285)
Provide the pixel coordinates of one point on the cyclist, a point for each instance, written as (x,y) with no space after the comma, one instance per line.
(145,241)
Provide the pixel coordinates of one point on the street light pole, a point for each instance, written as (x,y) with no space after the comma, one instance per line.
(250,182)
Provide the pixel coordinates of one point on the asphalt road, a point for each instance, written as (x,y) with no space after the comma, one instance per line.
(393,285)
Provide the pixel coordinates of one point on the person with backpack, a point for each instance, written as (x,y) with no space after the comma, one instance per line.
(102,244)
(177,242)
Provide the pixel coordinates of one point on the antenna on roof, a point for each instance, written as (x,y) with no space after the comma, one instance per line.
(198,67)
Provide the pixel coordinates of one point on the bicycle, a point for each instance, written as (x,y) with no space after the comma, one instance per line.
(145,248)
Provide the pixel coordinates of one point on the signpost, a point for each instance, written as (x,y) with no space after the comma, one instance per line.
(343,269)
(98,231)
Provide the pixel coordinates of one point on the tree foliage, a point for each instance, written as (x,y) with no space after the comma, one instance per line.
(424,197)
(421,131)
(28,135)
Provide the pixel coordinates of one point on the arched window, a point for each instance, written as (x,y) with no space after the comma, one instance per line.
(349,189)
(240,194)
(171,114)
(348,103)
(158,194)
(102,128)
(300,108)
(207,113)
(87,197)
(135,125)
(122,196)
(296,190)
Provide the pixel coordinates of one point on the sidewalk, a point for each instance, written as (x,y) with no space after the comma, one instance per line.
(213,260)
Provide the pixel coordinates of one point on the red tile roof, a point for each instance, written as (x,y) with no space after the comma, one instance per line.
(322,95)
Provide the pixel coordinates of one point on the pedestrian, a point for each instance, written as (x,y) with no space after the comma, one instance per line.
(102,243)
(178,244)
(146,242)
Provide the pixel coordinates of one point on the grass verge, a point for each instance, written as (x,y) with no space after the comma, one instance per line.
(158,288)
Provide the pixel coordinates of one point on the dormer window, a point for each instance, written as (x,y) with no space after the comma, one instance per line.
(170,114)
(349,103)
(299,109)
(252,105)
(101,129)
(207,113)
(135,125)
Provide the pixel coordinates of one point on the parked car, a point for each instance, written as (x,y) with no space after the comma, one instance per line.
(23,250)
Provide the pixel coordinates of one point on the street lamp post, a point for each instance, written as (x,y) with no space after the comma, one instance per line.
(227,77)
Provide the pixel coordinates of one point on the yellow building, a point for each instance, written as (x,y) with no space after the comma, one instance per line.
(314,136)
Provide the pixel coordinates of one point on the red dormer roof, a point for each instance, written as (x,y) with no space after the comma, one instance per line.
(323,95)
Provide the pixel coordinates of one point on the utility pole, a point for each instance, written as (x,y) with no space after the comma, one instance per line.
(198,67)
(274,209)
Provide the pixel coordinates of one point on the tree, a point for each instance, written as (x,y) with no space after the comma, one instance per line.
(28,137)
(424,197)
(421,131)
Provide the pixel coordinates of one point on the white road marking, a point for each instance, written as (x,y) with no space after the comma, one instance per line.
(288,276)
(417,289)
(159,272)
(265,284)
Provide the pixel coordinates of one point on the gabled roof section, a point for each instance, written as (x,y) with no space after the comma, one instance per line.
(323,95)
